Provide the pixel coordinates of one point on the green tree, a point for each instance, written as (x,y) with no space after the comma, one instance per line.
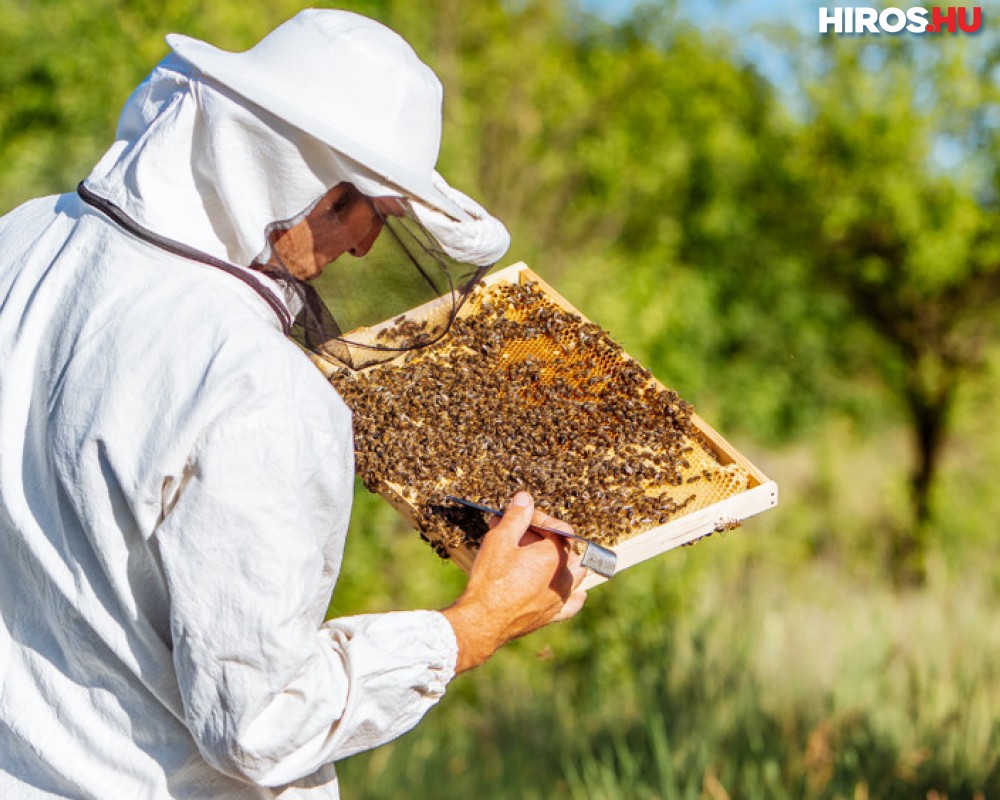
(898,208)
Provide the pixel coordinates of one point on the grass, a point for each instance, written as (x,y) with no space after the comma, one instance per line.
(757,687)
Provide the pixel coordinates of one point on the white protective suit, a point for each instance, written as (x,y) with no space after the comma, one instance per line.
(175,486)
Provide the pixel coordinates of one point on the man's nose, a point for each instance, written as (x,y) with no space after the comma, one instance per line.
(365,241)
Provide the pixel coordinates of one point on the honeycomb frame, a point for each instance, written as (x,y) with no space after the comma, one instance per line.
(754,493)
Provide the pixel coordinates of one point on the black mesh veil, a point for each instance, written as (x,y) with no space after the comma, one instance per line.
(388,289)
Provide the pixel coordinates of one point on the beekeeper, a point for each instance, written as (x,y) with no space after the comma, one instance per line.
(176,476)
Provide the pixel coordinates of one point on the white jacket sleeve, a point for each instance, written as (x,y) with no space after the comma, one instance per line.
(250,551)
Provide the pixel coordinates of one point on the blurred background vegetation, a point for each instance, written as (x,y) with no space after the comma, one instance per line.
(813,260)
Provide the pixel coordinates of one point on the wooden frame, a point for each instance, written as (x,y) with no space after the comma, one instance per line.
(761,494)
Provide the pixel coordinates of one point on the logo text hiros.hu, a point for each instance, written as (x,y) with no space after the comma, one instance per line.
(937,19)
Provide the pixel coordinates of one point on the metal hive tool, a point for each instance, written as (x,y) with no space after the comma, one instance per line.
(595,557)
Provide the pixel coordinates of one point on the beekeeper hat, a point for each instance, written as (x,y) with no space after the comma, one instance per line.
(351,83)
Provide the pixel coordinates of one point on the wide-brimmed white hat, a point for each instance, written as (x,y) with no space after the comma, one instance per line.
(349,82)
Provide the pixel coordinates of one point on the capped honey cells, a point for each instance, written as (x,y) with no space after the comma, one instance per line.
(522,394)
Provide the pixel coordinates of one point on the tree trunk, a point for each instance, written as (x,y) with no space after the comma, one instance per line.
(930,416)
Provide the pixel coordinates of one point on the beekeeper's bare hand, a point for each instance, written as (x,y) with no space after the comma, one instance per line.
(521,580)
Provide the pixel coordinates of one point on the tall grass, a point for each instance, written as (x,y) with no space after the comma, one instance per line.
(819,687)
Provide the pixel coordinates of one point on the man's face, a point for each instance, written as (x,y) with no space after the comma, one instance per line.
(343,221)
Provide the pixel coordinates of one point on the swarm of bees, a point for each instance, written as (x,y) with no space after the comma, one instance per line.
(523,395)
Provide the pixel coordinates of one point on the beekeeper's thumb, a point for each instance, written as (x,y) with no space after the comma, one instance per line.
(516,519)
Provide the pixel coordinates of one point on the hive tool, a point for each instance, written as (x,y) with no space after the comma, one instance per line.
(600,559)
